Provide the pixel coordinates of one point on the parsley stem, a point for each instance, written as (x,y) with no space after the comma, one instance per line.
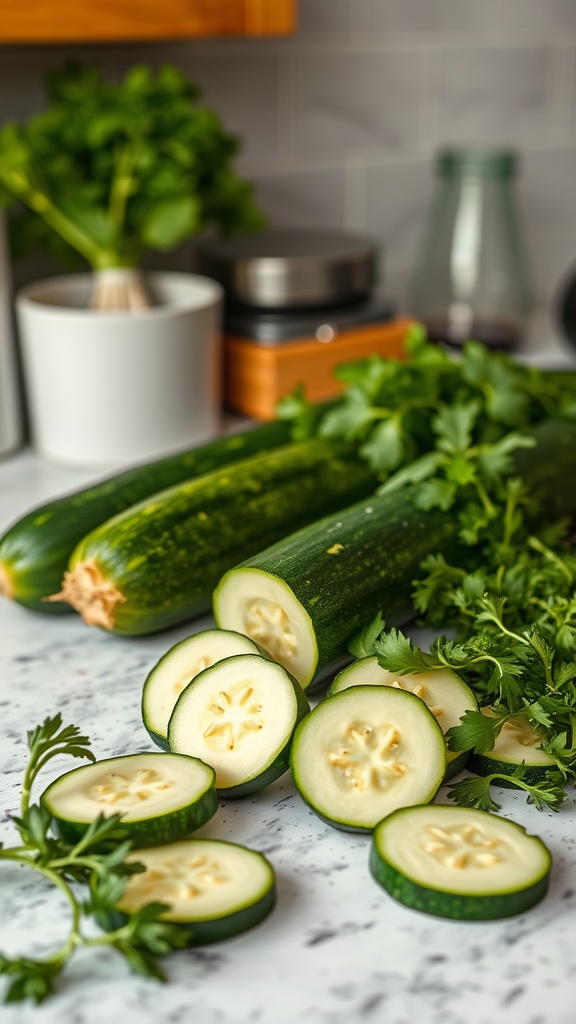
(551,556)
(21,185)
(483,495)
(458,665)
(74,937)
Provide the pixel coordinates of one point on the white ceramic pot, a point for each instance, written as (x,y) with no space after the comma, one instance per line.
(105,388)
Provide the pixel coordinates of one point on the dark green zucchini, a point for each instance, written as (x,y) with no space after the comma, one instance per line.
(34,552)
(212,889)
(157,563)
(325,582)
(459,863)
(516,744)
(161,797)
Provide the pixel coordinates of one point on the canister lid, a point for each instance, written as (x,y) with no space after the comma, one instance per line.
(501,163)
(288,268)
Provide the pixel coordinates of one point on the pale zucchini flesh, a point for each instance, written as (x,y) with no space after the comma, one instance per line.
(265,609)
(214,888)
(178,667)
(161,797)
(459,862)
(441,690)
(517,743)
(239,716)
(364,752)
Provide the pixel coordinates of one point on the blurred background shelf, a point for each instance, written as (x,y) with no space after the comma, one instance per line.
(62,21)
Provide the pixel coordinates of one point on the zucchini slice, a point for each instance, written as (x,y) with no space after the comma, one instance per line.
(516,744)
(178,667)
(458,862)
(161,797)
(365,751)
(441,690)
(214,888)
(239,716)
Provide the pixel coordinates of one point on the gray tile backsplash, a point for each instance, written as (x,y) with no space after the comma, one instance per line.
(495,95)
(397,200)
(303,198)
(339,102)
(341,121)
(245,93)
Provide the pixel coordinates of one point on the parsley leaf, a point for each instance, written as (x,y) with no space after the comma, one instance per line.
(362,643)
(475,792)
(476,732)
(397,653)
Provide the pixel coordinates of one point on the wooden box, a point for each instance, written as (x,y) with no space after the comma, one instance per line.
(256,376)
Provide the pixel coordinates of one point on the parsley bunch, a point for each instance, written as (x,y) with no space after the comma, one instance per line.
(91,873)
(389,405)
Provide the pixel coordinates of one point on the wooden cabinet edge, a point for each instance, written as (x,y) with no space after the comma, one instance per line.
(270,17)
(82,21)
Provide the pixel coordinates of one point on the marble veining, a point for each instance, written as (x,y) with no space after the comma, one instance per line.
(336,949)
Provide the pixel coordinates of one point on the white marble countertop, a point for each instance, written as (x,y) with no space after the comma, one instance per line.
(336,949)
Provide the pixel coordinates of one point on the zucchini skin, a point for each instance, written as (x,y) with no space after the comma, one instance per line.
(205,931)
(35,550)
(168,827)
(459,907)
(165,555)
(484,764)
(344,568)
(347,567)
(445,902)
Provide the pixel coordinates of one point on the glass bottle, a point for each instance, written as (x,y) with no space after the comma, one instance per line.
(471,278)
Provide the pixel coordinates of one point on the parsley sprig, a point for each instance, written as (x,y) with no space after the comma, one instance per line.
(91,873)
(475,792)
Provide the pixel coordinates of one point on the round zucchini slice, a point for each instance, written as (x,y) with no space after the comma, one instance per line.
(239,716)
(365,751)
(459,863)
(264,607)
(441,690)
(161,797)
(516,744)
(215,889)
(178,667)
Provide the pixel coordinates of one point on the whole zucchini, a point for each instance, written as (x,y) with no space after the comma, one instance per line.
(157,563)
(34,552)
(303,598)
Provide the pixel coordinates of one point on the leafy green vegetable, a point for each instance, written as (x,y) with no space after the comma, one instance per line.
(475,792)
(109,171)
(98,861)
(433,418)
(362,643)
